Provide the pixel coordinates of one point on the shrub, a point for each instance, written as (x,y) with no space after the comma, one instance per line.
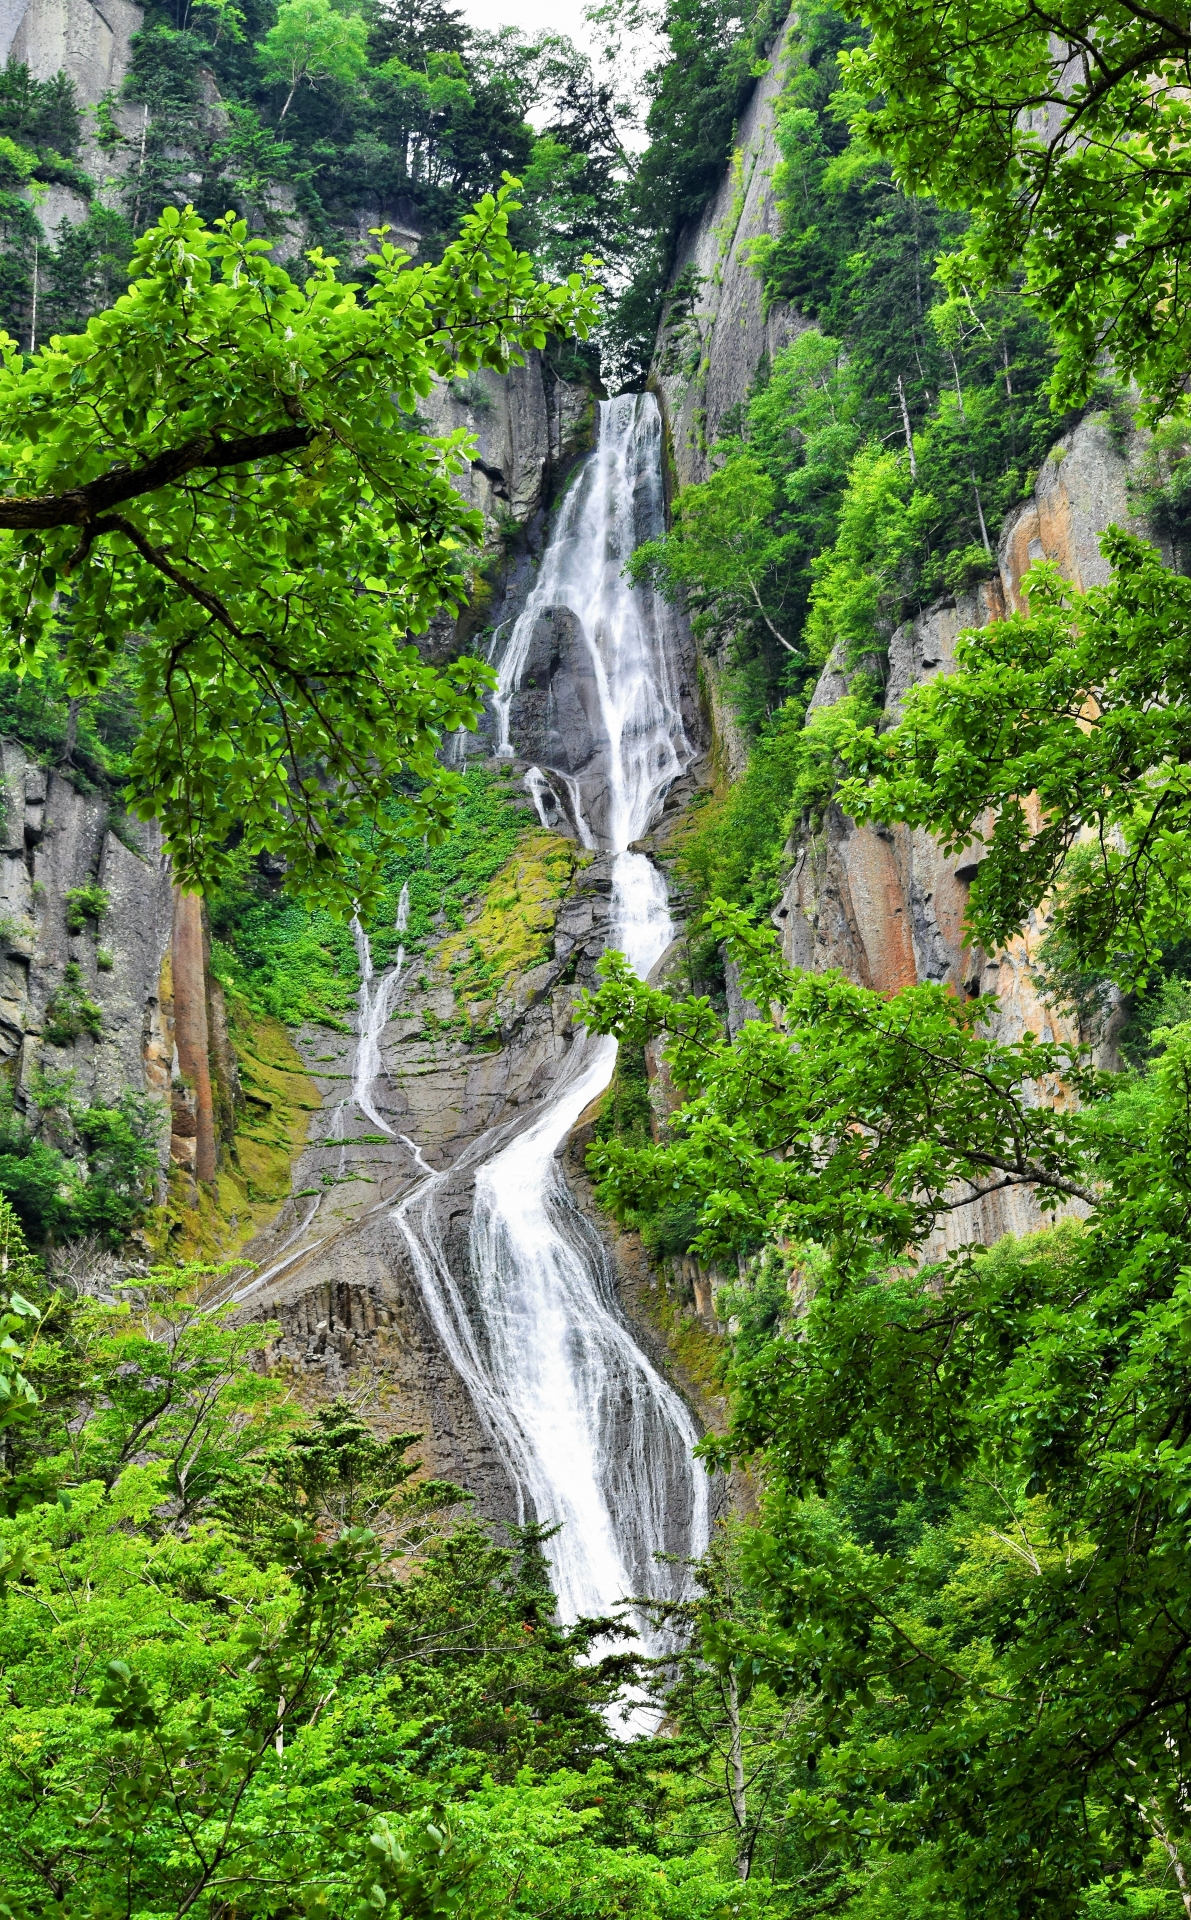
(78,1170)
(85,903)
(70,1012)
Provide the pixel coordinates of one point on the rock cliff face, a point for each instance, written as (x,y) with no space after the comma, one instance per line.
(161,1026)
(715,332)
(110,993)
(884,904)
(527,425)
(459,1077)
(57,840)
(91,45)
(334,1267)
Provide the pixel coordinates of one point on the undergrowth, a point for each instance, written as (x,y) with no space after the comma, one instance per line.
(297,965)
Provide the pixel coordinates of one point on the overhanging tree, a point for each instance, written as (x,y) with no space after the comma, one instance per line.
(1064,130)
(224,484)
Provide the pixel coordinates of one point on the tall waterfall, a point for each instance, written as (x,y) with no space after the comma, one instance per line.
(590,1434)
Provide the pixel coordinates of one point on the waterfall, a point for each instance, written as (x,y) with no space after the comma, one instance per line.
(590,1434)
(376,1003)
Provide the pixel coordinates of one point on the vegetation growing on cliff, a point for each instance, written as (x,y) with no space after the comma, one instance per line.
(874,464)
(70,1169)
(713,52)
(955,1648)
(968,1580)
(255,1666)
(1063,137)
(311,123)
(299,963)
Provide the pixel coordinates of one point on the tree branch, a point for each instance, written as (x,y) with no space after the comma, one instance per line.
(116,523)
(79,505)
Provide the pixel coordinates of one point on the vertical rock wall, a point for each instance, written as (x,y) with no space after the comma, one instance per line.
(715,332)
(56,840)
(884,904)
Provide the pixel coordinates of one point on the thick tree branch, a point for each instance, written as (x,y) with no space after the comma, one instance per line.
(79,505)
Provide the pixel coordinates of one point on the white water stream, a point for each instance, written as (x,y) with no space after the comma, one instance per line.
(376,1004)
(590,1434)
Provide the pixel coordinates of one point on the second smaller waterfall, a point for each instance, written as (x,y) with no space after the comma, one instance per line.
(376,1005)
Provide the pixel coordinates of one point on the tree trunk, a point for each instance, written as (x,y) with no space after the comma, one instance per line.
(191,1037)
(901,394)
(736,1788)
(72,732)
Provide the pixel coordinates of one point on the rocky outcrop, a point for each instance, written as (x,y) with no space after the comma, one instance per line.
(334,1269)
(885,904)
(104,974)
(716,330)
(528,426)
(58,840)
(91,45)
(193,1133)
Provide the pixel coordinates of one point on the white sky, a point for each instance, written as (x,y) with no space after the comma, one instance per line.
(533,16)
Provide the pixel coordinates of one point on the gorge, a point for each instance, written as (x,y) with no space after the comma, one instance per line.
(396,1254)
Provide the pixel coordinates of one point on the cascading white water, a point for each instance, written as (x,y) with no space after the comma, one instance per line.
(626,632)
(591,1435)
(376,1002)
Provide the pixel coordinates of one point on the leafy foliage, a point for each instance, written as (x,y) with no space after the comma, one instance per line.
(793,770)
(220,1683)
(714,52)
(873,464)
(968,1580)
(298,963)
(84,904)
(847,1117)
(309,42)
(71,1169)
(1059,132)
(1057,746)
(70,1011)
(37,710)
(327,112)
(40,134)
(278,701)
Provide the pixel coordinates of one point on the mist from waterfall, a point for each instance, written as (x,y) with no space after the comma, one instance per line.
(591,1435)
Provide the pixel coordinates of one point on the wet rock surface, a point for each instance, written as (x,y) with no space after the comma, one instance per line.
(401,1221)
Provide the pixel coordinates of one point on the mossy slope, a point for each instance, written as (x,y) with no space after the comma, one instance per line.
(272,1119)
